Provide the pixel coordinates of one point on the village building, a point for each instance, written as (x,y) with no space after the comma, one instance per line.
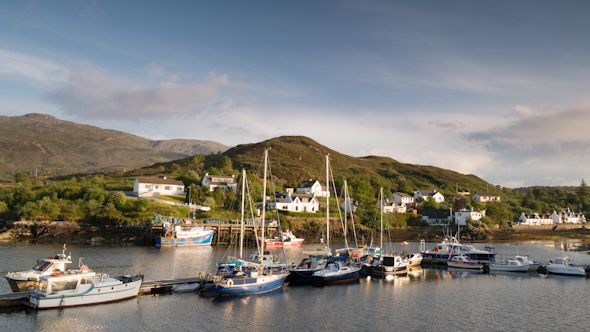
(296,203)
(393,207)
(568,217)
(535,219)
(312,187)
(349,205)
(402,198)
(426,194)
(461,217)
(486,197)
(224,182)
(437,217)
(149,187)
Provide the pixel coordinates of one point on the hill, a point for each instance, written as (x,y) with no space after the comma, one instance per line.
(297,158)
(43,143)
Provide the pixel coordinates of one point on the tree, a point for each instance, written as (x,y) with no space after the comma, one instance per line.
(404,187)
(23,178)
(209,202)
(583,191)
(431,204)
(175,168)
(22,195)
(225,165)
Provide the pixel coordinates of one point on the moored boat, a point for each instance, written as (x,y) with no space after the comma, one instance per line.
(185,236)
(82,287)
(513,265)
(451,247)
(464,262)
(390,265)
(562,266)
(23,281)
(336,272)
(288,239)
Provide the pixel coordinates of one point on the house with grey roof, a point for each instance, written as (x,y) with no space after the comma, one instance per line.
(224,182)
(149,187)
(312,187)
(486,197)
(427,194)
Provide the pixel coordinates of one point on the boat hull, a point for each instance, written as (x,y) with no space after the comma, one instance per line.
(508,268)
(279,244)
(429,257)
(200,241)
(97,295)
(337,278)
(465,265)
(381,271)
(302,276)
(565,270)
(22,285)
(250,287)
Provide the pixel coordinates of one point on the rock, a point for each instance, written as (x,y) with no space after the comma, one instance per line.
(97,239)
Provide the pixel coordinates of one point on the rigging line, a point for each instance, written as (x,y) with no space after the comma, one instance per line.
(252,216)
(342,221)
(272,184)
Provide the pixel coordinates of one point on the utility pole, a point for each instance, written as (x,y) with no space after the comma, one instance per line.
(188,214)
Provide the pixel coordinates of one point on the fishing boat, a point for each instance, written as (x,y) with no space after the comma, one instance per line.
(390,265)
(533,266)
(451,246)
(23,281)
(562,266)
(287,239)
(185,236)
(464,262)
(512,265)
(413,259)
(82,287)
(268,261)
(248,277)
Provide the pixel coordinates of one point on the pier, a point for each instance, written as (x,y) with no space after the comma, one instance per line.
(225,233)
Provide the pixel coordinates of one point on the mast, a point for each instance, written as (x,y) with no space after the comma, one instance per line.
(381,194)
(263,208)
(346,200)
(242,227)
(327,204)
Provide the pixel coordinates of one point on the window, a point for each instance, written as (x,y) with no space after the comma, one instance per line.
(157,187)
(168,188)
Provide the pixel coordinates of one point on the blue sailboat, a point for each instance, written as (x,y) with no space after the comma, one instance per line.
(250,277)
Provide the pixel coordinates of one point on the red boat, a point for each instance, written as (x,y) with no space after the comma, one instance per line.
(288,240)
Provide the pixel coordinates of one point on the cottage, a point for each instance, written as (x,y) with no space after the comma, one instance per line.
(402,198)
(393,207)
(486,197)
(426,194)
(296,203)
(535,219)
(349,205)
(224,182)
(312,187)
(568,217)
(146,187)
(436,216)
(462,216)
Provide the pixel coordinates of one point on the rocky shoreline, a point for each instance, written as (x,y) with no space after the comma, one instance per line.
(139,234)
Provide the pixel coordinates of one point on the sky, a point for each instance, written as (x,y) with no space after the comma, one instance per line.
(499,89)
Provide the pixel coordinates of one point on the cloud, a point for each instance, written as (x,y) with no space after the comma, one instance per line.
(449,124)
(92,94)
(33,69)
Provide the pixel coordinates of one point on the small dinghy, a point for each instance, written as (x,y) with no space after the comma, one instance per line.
(187,288)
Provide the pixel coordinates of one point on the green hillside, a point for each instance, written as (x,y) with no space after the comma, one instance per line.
(43,144)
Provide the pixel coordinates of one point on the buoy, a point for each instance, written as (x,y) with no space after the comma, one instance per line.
(201,275)
(230,283)
(209,277)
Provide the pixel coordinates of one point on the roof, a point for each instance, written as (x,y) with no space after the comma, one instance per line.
(427,192)
(160,181)
(487,194)
(436,213)
(403,194)
(307,184)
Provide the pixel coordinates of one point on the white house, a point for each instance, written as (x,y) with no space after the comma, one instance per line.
(145,187)
(392,207)
(426,194)
(296,203)
(462,216)
(568,217)
(311,187)
(486,197)
(535,219)
(214,181)
(402,198)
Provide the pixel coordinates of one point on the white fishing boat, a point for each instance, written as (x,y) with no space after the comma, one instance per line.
(268,261)
(562,266)
(533,266)
(26,280)
(390,265)
(513,265)
(464,262)
(82,287)
(413,259)
(288,239)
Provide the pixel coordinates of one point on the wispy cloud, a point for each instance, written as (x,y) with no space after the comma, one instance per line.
(35,70)
(92,94)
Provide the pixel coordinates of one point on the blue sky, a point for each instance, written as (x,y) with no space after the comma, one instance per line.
(498,89)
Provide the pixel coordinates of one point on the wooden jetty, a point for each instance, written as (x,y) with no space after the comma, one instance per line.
(225,233)
(20,300)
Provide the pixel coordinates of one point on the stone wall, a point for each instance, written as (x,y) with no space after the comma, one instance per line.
(548,227)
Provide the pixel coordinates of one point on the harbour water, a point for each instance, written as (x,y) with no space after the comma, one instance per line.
(428,299)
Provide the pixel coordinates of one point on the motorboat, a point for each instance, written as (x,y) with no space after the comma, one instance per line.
(390,265)
(451,246)
(336,272)
(303,272)
(27,280)
(464,262)
(533,266)
(268,261)
(413,259)
(185,236)
(562,266)
(187,288)
(82,287)
(513,265)
(287,239)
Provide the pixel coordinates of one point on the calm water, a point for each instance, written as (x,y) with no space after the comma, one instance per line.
(425,300)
